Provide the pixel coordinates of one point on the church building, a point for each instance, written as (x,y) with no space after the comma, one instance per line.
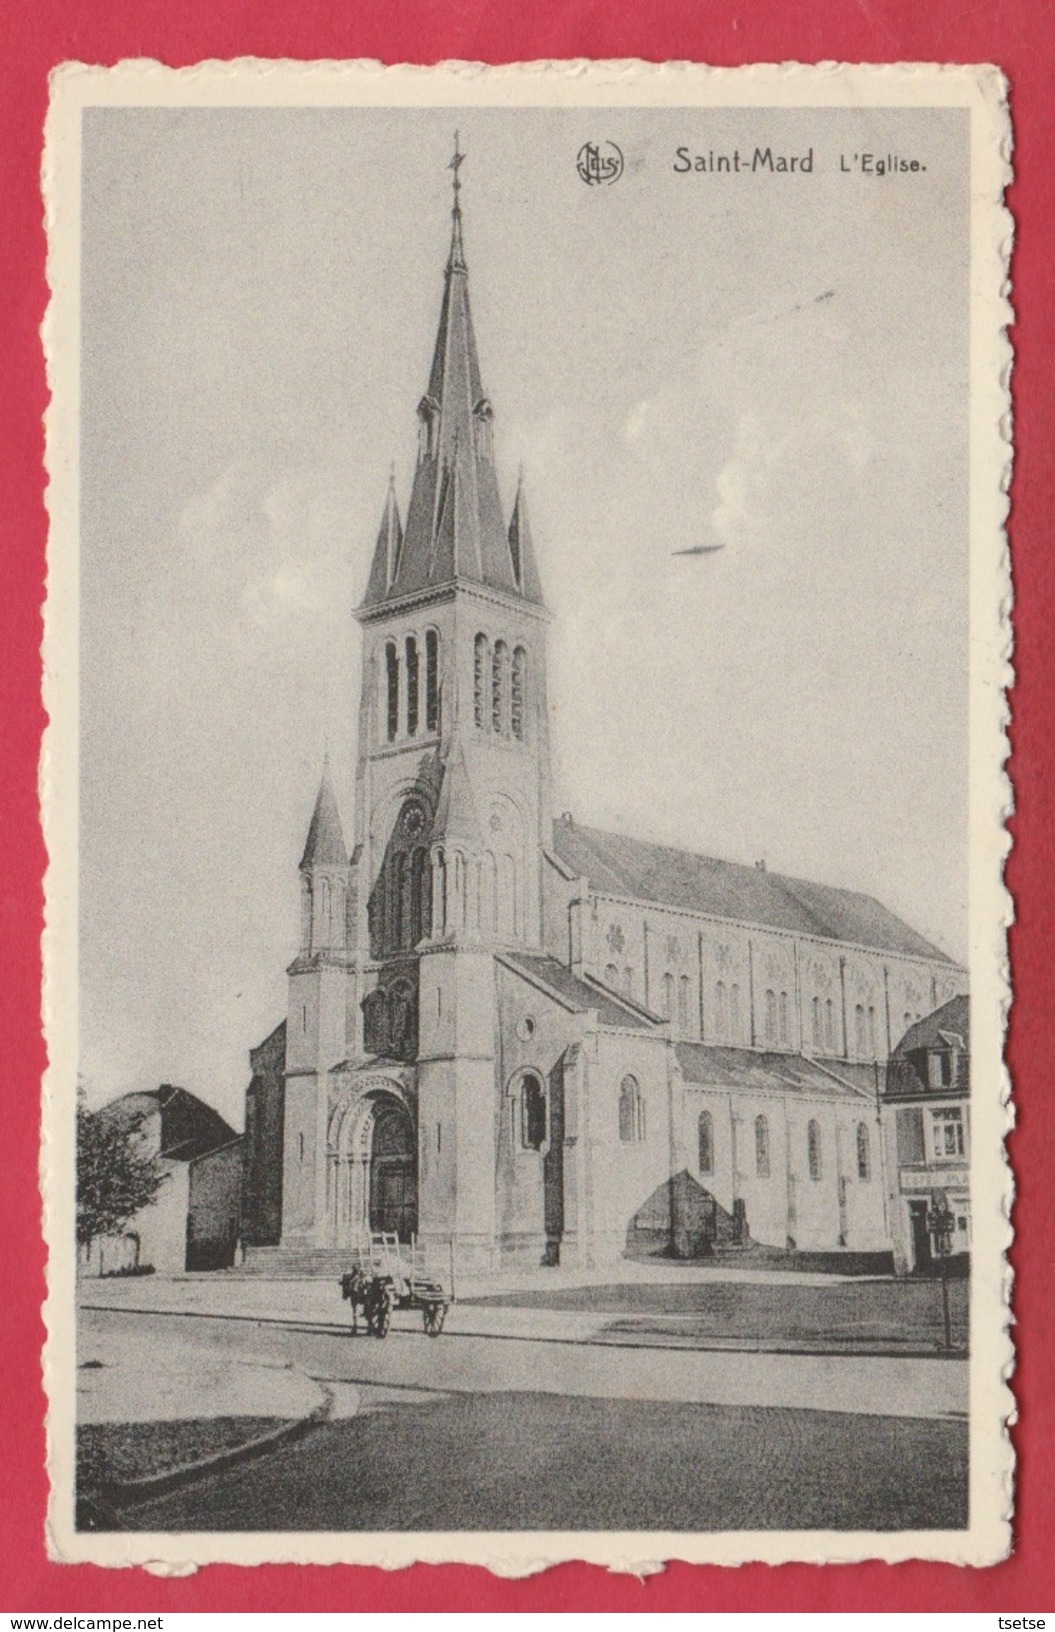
(518,1038)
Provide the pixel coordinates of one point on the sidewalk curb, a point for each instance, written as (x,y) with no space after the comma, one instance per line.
(117,1491)
(715,1345)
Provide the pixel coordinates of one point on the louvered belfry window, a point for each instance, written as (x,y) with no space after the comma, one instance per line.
(432,680)
(480,677)
(518,688)
(392,681)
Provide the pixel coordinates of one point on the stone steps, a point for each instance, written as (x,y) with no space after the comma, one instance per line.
(293,1263)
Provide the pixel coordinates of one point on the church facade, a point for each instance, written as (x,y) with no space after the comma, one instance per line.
(523,1039)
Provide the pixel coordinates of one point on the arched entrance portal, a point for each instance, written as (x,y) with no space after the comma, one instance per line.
(372,1177)
(393,1171)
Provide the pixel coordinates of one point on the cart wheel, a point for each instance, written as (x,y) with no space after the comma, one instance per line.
(379,1314)
(433,1316)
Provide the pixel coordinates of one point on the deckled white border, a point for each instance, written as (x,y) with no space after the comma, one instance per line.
(547,84)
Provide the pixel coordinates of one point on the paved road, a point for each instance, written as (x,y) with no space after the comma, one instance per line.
(466,1432)
(475,1364)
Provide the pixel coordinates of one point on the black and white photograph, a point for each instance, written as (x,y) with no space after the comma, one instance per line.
(525,649)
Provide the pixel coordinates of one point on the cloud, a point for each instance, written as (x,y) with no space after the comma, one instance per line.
(763,486)
(269,547)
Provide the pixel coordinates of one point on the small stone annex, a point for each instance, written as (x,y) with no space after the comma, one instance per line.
(520,1039)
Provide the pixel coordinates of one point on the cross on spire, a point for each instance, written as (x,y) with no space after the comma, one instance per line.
(456,262)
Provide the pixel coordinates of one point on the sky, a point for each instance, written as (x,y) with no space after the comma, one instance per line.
(775,364)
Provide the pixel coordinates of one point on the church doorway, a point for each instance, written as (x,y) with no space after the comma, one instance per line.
(393,1198)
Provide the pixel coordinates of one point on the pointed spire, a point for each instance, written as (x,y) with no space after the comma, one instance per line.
(455,527)
(325,844)
(388,547)
(521,548)
(456,814)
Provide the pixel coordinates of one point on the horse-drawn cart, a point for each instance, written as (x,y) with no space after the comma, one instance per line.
(386,1274)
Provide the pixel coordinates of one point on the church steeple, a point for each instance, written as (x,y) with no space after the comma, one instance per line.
(521,549)
(388,546)
(454,521)
(325,845)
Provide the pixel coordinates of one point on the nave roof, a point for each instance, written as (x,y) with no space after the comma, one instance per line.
(616,865)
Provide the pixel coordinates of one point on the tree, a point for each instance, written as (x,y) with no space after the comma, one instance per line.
(114,1176)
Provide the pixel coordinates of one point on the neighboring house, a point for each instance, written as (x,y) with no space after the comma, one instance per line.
(532,1039)
(927,1131)
(181,1130)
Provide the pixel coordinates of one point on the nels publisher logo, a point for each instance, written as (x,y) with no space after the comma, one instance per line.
(599,163)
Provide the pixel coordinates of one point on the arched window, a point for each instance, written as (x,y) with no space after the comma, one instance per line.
(906,1021)
(734,1012)
(668,996)
(432,680)
(508,907)
(829,1023)
(402,1026)
(518,692)
(398,901)
(631,1112)
(499,684)
(705,1132)
(440,866)
(481,666)
(461,891)
(532,1113)
(771,1017)
(420,906)
(392,680)
(412,686)
(628,981)
(860,1036)
(322,932)
(873,1045)
(864,1154)
(784,1017)
(611,976)
(489,894)
(813,1149)
(761,1147)
(721,1012)
(818,1033)
(684,996)
(375,1022)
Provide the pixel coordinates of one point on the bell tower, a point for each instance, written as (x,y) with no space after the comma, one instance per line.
(452,787)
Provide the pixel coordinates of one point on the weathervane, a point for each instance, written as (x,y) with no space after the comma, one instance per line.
(457,255)
(456,163)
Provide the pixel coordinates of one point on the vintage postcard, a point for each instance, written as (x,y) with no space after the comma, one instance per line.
(526,651)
